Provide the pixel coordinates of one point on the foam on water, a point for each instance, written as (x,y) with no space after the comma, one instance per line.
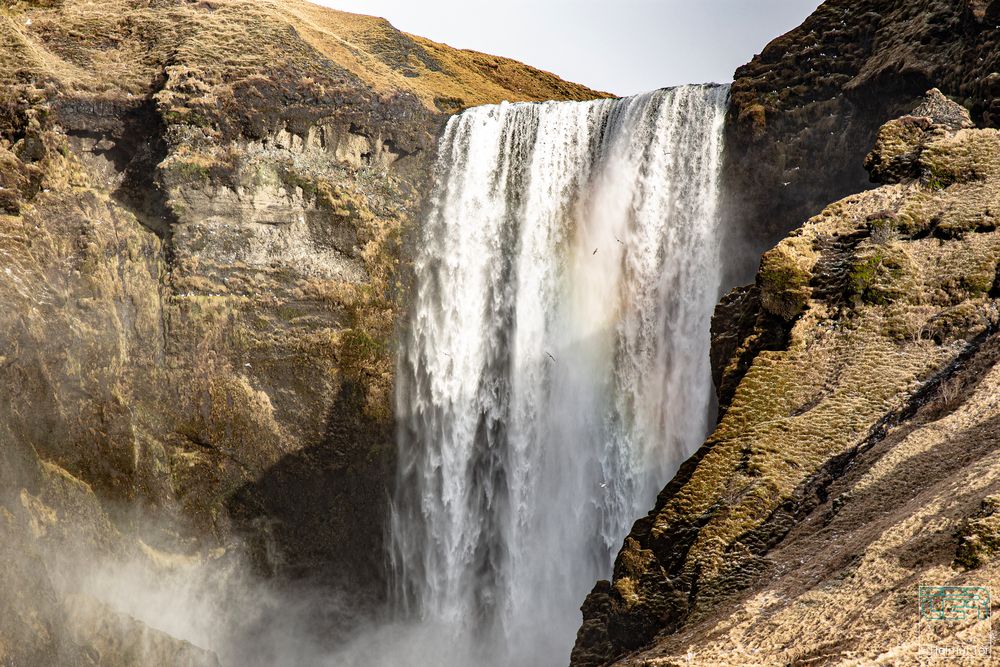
(555,369)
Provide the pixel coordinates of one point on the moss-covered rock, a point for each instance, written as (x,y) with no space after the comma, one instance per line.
(979,538)
(878,322)
(878,275)
(784,277)
(896,156)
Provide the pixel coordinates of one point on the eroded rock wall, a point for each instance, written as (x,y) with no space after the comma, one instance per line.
(203,214)
(806,110)
(854,459)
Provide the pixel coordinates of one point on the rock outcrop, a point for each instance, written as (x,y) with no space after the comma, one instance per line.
(825,88)
(855,456)
(203,211)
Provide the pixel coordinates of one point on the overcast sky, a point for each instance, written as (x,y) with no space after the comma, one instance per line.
(621,46)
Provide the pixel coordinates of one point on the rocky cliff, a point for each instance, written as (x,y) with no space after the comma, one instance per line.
(203,210)
(806,110)
(854,460)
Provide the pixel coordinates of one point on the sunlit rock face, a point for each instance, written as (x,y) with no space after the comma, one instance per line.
(203,214)
(554,371)
(855,458)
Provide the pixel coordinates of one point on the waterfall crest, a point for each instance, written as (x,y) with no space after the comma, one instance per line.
(555,369)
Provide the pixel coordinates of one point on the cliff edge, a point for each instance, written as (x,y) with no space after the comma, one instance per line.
(854,459)
(825,88)
(203,212)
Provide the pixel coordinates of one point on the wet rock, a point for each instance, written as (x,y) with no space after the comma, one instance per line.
(110,638)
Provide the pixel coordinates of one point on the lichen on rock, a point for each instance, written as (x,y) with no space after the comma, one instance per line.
(878,323)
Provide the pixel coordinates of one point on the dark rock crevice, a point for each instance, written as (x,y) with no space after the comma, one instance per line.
(742,329)
(323,506)
(123,143)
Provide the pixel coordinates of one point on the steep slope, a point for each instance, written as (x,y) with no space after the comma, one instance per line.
(806,110)
(854,460)
(203,211)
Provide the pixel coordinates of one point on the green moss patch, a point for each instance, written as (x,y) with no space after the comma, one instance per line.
(876,276)
(979,538)
(784,278)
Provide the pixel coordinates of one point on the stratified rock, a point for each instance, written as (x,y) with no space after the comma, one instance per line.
(742,329)
(849,459)
(944,112)
(204,211)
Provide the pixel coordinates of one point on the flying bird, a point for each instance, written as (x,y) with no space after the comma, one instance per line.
(594,253)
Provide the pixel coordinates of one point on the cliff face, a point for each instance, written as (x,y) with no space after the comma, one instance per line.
(203,210)
(850,374)
(852,403)
(854,459)
(825,88)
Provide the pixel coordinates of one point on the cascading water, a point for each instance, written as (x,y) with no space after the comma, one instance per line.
(555,371)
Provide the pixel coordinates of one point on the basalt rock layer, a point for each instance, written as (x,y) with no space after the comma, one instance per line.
(855,458)
(825,88)
(203,211)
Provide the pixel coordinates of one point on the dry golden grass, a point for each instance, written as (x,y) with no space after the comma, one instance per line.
(126,46)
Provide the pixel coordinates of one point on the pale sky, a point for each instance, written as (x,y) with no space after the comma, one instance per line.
(620,46)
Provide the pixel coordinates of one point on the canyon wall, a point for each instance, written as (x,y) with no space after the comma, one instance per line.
(204,214)
(806,110)
(851,461)
(206,211)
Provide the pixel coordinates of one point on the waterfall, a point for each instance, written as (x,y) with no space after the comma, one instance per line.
(555,369)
